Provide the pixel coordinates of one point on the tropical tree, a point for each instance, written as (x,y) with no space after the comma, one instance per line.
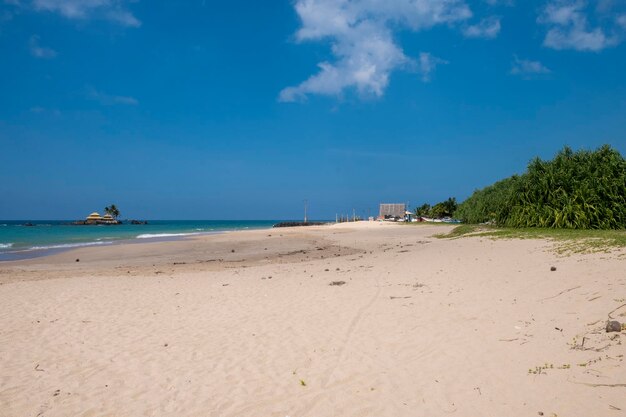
(423,210)
(444,208)
(439,210)
(112,210)
(449,207)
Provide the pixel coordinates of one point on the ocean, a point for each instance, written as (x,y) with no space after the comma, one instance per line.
(18,241)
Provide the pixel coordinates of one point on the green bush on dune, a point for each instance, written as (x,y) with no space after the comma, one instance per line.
(575,190)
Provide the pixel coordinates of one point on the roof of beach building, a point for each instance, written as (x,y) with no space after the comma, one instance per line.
(95,214)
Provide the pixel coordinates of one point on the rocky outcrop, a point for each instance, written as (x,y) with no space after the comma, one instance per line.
(297,224)
(96,222)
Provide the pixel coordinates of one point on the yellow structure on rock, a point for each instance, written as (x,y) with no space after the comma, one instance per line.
(107,218)
(94,217)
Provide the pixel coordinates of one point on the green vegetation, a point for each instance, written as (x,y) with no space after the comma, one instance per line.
(439,210)
(575,190)
(112,210)
(459,231)
(567,240)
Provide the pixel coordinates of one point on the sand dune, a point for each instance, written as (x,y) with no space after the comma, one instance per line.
(246,324)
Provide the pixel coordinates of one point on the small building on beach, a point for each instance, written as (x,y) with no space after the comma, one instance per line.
(392,211)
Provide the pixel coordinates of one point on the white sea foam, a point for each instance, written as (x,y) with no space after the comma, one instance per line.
(150,236)
(6,245)
(70,245)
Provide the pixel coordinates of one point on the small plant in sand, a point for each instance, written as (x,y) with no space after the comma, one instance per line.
(538,370)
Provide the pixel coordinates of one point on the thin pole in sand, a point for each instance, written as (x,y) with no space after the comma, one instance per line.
(305,207)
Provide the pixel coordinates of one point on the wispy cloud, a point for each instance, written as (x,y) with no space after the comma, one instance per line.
(487,28)
(108,99)
(7,13)
(528,69)
(428,64)
(569,27)
(45,111)
(39,51)
(112,10)
(5,16)
(500,2)
(360,32)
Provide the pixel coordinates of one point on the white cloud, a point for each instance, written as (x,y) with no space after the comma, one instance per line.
(8,13)
(569,27)
(39,51)
(621,20)
(110,100)
(360,32)
(428,64)
(487,28)
(527,69)
(500,2)
(113,10)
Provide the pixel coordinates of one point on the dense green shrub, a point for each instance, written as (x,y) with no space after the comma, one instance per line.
(439,210)
(575,190)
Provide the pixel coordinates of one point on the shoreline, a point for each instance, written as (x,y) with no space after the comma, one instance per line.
(374,320)
(157,230)
(41,252)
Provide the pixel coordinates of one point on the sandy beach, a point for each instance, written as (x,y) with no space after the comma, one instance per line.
(248,324)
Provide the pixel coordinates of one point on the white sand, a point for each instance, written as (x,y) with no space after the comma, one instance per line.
(422,327)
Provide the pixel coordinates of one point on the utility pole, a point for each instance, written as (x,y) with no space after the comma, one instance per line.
(306,202)
(353,215)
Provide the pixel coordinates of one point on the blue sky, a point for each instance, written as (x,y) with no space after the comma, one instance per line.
(241,110)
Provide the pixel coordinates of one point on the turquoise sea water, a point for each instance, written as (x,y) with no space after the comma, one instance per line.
(18,241)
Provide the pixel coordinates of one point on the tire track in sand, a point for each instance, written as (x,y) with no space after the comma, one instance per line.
(351,329)
(315,396)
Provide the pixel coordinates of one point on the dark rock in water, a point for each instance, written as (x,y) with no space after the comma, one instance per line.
(553,268)
(613,326)
(138,222)
(96,223)
(28,224)
(296,224)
